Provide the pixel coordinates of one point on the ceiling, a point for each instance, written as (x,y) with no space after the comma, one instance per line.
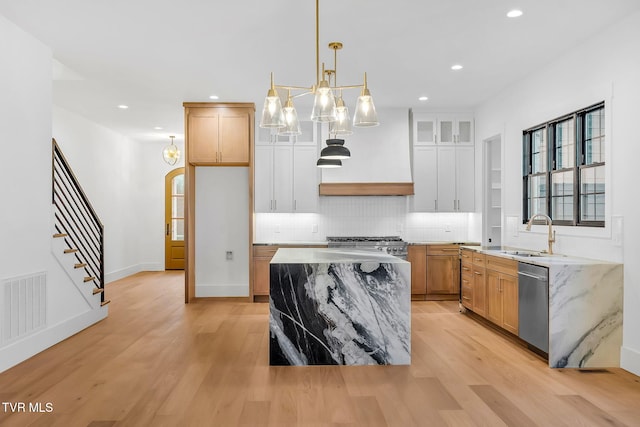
(153,55)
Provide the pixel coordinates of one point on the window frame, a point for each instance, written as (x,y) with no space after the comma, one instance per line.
(579,142)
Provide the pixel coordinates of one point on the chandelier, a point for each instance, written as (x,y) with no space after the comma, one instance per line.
(328,106)
(170,153)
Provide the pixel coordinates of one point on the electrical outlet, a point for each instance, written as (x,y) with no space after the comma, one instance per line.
(229,255)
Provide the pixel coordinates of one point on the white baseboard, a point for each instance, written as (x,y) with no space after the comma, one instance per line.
(630,360)
(151,266)
(132,269)
(122,273)
(239,290)
(23,349)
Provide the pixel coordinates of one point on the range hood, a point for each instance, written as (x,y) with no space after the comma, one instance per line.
(380,163)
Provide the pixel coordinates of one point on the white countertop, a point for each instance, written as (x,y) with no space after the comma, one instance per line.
(541,258)
(325,255)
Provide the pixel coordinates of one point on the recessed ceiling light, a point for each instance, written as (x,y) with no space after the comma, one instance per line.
(123,107)
(456,67)
(514,13)
(423,98)
(158,128)
(214,97)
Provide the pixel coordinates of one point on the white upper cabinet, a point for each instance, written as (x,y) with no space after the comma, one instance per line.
(443,162)
(445,129)
(455,179)
(424,129)
(282,178)
(425,179)
(263,177)
(286,177)
(465,179)
(306,178)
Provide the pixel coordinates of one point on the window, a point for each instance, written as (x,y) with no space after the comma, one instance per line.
(563,169)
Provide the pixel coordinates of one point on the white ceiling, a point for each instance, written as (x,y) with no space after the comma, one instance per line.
(153,55)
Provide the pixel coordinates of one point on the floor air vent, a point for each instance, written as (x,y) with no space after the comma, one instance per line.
(24,306)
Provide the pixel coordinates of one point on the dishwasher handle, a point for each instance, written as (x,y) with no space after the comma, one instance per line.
(533,276)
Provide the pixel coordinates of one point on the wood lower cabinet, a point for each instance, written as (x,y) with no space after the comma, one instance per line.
(417,256)
(479,291)
(218,134)
(443,270)
(502,293)
(261,258)
(466,285)
(262,255)
(479,283)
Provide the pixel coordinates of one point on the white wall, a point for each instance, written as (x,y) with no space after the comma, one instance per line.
(605,67)
(151,172)
(124,180)
(222,224)
(25,195)
(106,166)
(378,154)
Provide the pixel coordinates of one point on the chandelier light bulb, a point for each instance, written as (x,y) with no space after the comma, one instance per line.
(291,124)
(272,105)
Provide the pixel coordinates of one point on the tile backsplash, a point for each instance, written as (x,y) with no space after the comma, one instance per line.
(361,216)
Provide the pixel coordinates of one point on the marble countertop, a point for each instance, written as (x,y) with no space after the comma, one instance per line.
(324,242)
(444,243)
(323,256)
(298,243)
(538,258)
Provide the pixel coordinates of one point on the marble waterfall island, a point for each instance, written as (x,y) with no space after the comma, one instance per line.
(339,307)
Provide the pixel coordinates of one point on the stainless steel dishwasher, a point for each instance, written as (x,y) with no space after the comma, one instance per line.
(533,305)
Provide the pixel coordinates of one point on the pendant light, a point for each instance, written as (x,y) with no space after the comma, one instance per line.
(324,103)
(272,116)
(326,108)
(365,110)
(170,153)
(335,150)
(291,123)
(342,124)
(329,163)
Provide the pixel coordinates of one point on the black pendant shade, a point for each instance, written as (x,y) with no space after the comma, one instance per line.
(329,163)
(335,149)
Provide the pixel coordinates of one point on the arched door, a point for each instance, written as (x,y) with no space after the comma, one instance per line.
(174,220)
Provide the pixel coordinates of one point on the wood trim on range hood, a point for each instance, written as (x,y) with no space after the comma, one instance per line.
(366,189)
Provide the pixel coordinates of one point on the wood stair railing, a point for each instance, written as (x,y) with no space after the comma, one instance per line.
(77,223)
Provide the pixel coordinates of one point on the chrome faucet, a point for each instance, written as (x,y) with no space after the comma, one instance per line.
(552,234)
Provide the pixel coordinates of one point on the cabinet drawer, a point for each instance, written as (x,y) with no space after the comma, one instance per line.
(466,268)
(265,251)
(467,296)
(443,249)
(479,259)
(466,255)
(503,265)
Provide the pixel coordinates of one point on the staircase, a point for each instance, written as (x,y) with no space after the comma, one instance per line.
(77,231)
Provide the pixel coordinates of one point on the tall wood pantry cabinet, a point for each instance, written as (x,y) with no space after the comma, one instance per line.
(216,134)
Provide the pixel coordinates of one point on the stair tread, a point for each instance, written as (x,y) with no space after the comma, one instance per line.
(58,235)
(70,251)
(98,290)
(102,304)
(89,278)
(80,265)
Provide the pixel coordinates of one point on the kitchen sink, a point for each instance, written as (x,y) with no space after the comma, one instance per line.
(524,253)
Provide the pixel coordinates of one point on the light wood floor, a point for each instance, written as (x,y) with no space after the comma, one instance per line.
(158,362)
